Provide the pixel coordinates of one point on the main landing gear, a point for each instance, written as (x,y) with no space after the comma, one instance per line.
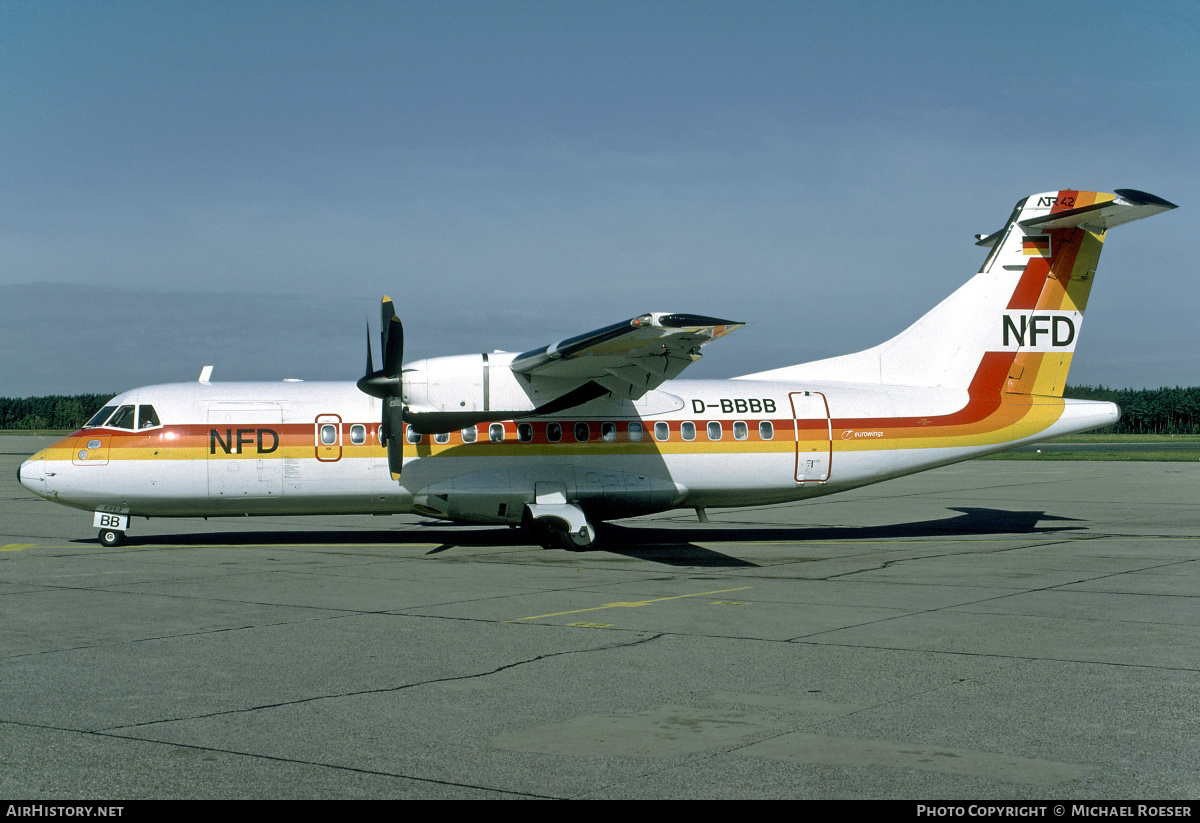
(561,526)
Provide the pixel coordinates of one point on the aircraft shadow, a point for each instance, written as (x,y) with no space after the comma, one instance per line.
(969,521)
(651,542)
(672,545)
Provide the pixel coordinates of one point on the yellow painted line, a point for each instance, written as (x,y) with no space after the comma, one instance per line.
(17,547)
(628,604)
(591,625)
(316,546)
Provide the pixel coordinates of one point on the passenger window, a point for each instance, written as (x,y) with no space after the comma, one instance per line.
(123,419)
(714,430)
(583,433)
(662,431)
(328,434)
(635,432)
(554,432)
(443,437)
(99,417)
(469,434)
(740,430)
(358,434)
(496,432)
(608,432)
(524,433)
(147,419)
(687,430)
(766,431)
(412,436)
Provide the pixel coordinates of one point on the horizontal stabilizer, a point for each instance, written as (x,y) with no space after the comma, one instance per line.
(1125,206)
(1128,206)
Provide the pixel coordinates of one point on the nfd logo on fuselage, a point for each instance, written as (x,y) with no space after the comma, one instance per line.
(1039,331)
(263,441)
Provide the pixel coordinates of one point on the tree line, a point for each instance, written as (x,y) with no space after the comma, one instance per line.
(1143,411)
(54,411)
(1148,411)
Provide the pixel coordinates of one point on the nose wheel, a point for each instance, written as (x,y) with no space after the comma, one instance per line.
(111,537)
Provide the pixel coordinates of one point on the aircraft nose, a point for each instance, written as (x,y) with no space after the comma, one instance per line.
(32,475)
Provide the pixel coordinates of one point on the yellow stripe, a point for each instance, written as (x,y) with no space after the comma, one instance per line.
(627,605)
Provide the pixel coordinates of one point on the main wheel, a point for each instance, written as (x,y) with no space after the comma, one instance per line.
(111,537)
(551,538)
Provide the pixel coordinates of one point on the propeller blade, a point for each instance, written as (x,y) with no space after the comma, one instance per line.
(390,384)
(370,364)
(393,340)
(393,424)
(387,384)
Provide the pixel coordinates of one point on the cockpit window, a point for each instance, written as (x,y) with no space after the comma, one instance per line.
(147,417)
(123,419)
(99,417)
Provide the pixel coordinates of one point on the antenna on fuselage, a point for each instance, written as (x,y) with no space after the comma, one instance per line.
(205,374)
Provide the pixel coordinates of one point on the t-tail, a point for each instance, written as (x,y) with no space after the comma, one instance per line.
(1013,326)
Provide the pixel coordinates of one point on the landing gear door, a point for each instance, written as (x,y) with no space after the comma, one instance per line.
(814,436)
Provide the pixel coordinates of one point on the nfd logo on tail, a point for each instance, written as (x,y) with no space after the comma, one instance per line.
(599,425)
(1039,332)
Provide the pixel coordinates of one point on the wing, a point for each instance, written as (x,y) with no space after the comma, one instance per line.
(628,358)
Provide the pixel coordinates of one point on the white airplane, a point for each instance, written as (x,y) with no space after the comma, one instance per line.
(589,428)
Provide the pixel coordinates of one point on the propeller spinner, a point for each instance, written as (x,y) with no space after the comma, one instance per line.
(387,385)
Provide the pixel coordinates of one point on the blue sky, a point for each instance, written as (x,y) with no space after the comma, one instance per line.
(239,183)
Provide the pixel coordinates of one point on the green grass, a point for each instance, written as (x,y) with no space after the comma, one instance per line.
(1125,455)
(1108,437)
(36,432)
(1147,451)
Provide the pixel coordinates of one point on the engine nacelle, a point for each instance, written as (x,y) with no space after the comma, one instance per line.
(443,394)
(502,495)
(448,384)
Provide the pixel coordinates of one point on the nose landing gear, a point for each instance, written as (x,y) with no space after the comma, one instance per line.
(112,528)
(111,537)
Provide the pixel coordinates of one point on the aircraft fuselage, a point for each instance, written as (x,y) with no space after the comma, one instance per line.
(294,448)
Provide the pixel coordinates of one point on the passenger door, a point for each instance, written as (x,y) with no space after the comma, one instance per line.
(814,436)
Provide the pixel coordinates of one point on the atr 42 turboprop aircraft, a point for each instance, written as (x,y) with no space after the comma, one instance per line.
(589,428)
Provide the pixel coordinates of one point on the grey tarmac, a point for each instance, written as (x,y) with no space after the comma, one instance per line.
(999,630)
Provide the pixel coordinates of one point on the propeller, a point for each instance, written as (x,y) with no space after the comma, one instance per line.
(387,385)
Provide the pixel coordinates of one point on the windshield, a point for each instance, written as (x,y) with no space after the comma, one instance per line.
(99,417)
(127,417)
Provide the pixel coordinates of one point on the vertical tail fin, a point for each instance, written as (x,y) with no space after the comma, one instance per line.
(1060,239)
(1027,299)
